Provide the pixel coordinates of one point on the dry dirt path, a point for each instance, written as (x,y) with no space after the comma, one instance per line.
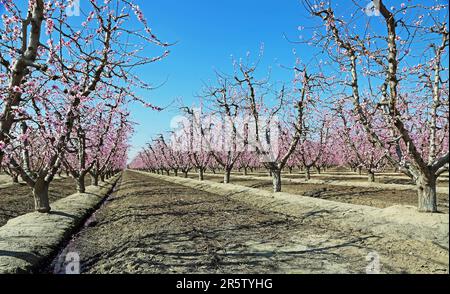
(383,178)
(443,189)
(152,226)
(375,195)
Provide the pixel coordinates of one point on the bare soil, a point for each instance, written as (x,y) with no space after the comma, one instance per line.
(4,179)
(152,226)
(375,197)
(17,199)
(383,178)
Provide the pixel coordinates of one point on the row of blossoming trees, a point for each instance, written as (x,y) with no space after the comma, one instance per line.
(66,78)
(366,100)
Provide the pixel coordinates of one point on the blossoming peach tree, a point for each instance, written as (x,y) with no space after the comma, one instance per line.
(394,62)
(62,78)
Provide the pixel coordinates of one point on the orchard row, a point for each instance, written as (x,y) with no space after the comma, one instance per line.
(374,95)
(66,81)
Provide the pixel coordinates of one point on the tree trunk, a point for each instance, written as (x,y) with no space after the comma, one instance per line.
(426,189)
(175,172)
(185,174)
(319,171)
(359,170)
(81,187)
(290,170)
(167,172)
(371,176)
(276,177)
(245,171)
(15,179)
(226,177)
(94,180)
(308,173)
(40,194)
(102,177)
(201,176)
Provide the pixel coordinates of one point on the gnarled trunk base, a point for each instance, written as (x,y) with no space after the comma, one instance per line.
(371,176)
(426,191)
(81,186)
(276,180)
(226,176)
(94,180)
(308,173)
(40,194)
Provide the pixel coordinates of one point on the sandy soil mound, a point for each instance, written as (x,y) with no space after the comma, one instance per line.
(29,240)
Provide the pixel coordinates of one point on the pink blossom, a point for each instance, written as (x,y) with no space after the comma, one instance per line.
(17,89)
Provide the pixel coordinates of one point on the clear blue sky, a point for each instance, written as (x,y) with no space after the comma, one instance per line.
(208,33)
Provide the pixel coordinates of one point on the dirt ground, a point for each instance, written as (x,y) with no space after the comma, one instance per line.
(383,178)
(18,199)
(4,179)
(375,197)
(152,226)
